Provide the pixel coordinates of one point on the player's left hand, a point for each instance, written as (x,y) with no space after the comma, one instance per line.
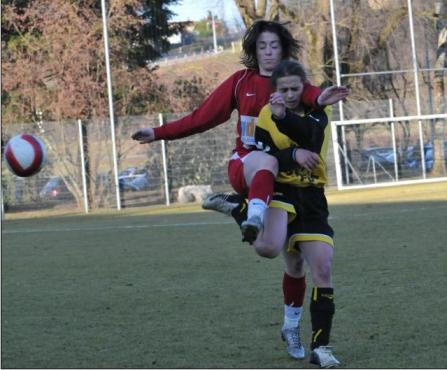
(144,136)
(332,95)
(306,159)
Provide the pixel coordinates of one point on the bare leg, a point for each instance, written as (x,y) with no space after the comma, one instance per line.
(271,239)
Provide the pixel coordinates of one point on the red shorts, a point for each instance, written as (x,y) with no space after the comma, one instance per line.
(236,174)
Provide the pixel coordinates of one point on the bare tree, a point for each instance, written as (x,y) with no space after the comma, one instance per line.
(252,10)
(373,36)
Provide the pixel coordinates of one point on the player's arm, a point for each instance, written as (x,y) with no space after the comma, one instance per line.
(216,109)
(296,127)
(331,95)
(295,157)
(291,125)
(288,158)
(314,97)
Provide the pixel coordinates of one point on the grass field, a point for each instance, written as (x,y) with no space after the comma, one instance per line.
(175,288)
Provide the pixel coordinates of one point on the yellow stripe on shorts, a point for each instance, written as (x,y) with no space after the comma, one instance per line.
(290,209)
(296,238)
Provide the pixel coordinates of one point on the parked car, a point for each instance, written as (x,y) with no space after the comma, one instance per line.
(55,188)
(411,157)
(133,179)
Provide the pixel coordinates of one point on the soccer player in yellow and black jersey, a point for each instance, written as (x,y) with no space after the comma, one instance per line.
(299,140)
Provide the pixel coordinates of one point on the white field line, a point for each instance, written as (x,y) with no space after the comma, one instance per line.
(114,227)
(230,221)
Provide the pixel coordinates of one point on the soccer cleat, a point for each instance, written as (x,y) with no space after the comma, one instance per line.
(250,229)
(294,347)
(323,357)
(222,202)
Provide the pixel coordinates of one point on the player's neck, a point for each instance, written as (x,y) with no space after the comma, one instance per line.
(299,109)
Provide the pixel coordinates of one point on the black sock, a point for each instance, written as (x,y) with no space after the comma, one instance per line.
(322,309)
(240,212)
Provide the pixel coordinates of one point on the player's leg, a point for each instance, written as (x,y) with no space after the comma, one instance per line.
(270,240)
(294,288)
(314,239)
(318,255)
(260,170)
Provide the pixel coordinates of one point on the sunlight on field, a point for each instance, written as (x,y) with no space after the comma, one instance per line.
(406,193)
(436,191)
(108,289)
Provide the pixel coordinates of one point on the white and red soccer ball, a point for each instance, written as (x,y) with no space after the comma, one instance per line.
(25,155)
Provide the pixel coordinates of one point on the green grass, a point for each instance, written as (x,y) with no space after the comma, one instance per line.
(177,289)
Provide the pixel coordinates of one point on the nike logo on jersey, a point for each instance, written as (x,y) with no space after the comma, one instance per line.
(250,94)
(316,119)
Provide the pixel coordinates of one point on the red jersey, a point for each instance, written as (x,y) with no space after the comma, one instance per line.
(247,91)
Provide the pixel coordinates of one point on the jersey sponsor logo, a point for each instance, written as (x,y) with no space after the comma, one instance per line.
(250,94)
(248,127)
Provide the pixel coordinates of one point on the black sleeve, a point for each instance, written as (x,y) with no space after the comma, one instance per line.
(295,127)
(285,159)
(284,156)
(307,131)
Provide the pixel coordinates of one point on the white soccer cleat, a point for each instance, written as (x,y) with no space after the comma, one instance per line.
(222,202)
(294,347)
(323,357)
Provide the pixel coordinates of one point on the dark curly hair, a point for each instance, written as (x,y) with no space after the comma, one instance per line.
(290,46)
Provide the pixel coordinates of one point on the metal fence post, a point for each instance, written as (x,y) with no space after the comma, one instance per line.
(110,98)
(165,166)
(416,85)
(393,136)
(3,204)
(340,104)
(84,177)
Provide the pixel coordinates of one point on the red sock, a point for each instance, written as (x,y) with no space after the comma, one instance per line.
(261,186)
(293,290)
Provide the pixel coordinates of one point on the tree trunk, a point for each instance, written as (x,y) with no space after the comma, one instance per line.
(252,10)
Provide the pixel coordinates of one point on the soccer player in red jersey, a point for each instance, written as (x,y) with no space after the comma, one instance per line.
(251,172)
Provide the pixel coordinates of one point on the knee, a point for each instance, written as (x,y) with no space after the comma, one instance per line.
(294,265)
(321,273)
(267,250)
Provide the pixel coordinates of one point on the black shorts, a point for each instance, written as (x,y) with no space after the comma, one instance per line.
(308,213)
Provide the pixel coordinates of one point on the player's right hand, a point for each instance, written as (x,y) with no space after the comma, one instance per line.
(306,159)
(277,105)
(144,136)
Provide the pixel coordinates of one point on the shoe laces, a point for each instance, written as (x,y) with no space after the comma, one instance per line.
(293,337)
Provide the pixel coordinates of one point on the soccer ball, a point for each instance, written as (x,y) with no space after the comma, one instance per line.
(25,155)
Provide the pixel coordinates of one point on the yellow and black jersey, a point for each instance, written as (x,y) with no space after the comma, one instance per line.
(275,138)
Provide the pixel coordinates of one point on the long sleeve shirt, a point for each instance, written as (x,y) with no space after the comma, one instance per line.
(246,91)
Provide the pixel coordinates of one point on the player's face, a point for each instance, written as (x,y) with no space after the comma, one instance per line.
(268,52)
(291,89)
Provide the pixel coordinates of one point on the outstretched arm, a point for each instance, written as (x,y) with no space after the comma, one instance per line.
(216,109)
(144,135)
(332,95)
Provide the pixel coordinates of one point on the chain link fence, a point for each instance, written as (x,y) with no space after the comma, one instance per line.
(371,153)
